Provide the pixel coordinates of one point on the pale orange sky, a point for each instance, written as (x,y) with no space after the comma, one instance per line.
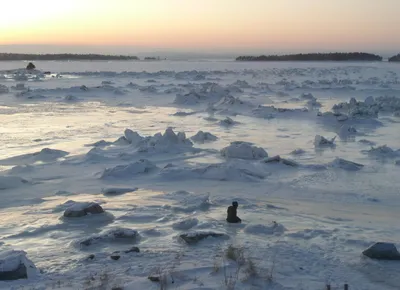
(208,24)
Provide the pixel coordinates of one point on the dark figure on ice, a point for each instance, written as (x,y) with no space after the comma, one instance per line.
(232,213)
(30,66)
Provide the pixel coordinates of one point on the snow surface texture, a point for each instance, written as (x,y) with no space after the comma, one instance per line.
(155,146)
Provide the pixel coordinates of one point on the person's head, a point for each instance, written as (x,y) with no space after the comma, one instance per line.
(235,204)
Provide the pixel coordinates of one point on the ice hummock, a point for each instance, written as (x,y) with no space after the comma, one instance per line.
(129,170)
(202,137)
(243,150)
(321,141)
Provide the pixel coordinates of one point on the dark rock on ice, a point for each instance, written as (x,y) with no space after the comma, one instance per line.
(112,235)
(133,250)
(80,209)
(153,278)
(115,257)
(382,251)
(15,265)
(195,237)
(278,159)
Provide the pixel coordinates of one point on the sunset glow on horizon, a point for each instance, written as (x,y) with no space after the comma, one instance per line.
(212,24)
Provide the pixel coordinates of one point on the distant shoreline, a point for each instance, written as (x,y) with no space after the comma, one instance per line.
(336,56)
(63,56)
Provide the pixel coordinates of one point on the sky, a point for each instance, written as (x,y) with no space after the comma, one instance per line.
(200,25)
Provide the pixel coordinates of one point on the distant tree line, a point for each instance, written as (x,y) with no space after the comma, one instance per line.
(63,56)
(335,56)
(395,58)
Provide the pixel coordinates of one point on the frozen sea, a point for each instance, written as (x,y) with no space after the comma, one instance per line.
(126,135)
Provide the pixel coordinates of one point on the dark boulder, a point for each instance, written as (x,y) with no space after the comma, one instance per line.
(15,265)
(115,257)
(80,209)
(382,251)
(154,278)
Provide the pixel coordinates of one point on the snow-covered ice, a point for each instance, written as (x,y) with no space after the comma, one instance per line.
(143,159)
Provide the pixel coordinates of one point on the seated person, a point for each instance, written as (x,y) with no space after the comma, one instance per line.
(232,213)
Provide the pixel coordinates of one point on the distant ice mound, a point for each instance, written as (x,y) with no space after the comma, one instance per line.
(192,202)
(243,150)
(269,112)
(219,171)
(370,108)
(278,159)
(298,151)
(208,92)
(346,131)
(397,162)
(71,98)
(241,84)
(118,190)
(112,235)
(308,96)
(130,170)
(19,87)
(101,143)
(346,165)
(162,143)
(47,154)
(229,101)
(183,114)
(262,229)
(202,137)
(383,152)
(15,265)
(185,224)
(228,122)
(10,181)
(367,142)
(4,89)
(321,141)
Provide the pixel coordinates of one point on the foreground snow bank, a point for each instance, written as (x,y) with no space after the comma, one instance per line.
(15,265)
(243,150)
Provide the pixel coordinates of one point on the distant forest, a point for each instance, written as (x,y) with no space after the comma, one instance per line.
(63,56)
(395,58)
(336,56)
